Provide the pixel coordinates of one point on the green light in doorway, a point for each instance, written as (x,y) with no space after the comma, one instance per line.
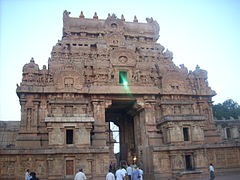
(123,78)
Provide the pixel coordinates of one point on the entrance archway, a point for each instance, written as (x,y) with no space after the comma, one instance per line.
(121,113)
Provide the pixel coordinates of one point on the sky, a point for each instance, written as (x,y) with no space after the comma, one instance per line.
(198,32)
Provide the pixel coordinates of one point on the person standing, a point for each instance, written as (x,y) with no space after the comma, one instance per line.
(124,171)
(33,176)
(27,174)
(129,172)
(120,174)
(135,173)
(110,175)
(80,175)
(211,170)
(110,166)
(141,173)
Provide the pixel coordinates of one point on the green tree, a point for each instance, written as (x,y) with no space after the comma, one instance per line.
(226,110)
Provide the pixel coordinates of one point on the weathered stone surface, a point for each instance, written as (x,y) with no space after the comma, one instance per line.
(163,112)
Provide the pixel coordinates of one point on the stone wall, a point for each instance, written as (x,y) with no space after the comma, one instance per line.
(112,70)
(53,163)
(8,133)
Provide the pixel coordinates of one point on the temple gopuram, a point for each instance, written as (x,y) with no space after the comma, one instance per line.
(106,71)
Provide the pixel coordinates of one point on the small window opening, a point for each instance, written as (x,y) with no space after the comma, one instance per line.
(186,134)
(69,136)
(123,77)
(93,47)
(113,25)
(228,132)
(189,162)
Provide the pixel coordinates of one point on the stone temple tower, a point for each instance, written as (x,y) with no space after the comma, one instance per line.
(111,70)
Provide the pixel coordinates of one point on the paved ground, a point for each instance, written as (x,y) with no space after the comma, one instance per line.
(224,177)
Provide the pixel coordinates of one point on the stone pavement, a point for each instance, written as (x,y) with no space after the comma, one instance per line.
(223,177)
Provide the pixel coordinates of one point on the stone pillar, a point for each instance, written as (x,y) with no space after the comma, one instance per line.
(147,131)
(235,132)
(99,133)
(150,122)
(35,120)
(23,115)
(42,111)
(210,115)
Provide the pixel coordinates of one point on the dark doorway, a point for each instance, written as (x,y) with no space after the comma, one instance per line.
(228,132)
(121,113)
(186,134)
(189,162)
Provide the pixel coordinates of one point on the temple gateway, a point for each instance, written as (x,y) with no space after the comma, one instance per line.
(110,71)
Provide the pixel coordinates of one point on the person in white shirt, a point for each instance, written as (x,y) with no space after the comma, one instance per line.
(141,173)
(27,174)
(136,173)
(110,175)
(124,171)
(80,175)
(212,174)
(129,172)
(120,174)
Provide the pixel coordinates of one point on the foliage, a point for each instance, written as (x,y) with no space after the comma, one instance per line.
(227,110)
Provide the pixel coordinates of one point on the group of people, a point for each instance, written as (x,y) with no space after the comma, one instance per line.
(132,172)
(30,175)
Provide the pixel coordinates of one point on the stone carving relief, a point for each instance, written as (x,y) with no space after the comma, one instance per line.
(177,162)
(45,76)
(155,25)
(66,14)
(68,76)
(32,75)
(68,81)
(112,23)
(41,166)
(173,82)
(114,39)
(7,167)
(100,76)
(168,54)
(123,57)
(111,72)
(143,77)
(197,80)
(183,69)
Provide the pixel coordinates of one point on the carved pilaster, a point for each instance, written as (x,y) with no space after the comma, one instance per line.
(35,116)
(150,111)
(42,111)
(23,114)
(99,136)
